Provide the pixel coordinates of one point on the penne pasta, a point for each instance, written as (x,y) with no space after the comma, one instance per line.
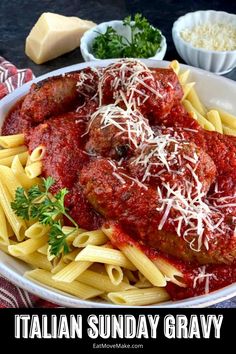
(99,268)
(138,258)
(74,288)
(172,273)
(139,297)
(102,282)
(12,151)
(143,284)
(201,120)
(20,174)
(10,141)
(71,271)
(195,101)
(214,117)
(125,279)
(34,169)
(28,246)
(38,153)
(4,246)
(144,265)
(9,180)
(37,230)
(4,236)
(229,131)
(69,230)
(36,260)
(227,118)
(115,273)
(95,238)
(187,88)
(132,276)
(104,255)
(43,249)
(10,231)
(7,161)
(58,264)
(175,66)
(18,225)
(104,297)
(69,257)
(183,77)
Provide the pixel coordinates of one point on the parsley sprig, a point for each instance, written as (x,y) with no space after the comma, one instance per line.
(144,43)
(38,204)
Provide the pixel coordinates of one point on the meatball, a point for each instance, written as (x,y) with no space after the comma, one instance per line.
(153,91)
(135,208)
(116,132)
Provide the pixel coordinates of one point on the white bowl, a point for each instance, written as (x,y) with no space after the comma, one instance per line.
(89,36)
(214,91)
(219,62)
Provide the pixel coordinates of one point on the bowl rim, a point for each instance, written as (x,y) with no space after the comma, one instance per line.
(176,33)
(64,299)
(85,39)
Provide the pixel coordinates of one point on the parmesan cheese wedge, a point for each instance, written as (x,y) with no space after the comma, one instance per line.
(54,35)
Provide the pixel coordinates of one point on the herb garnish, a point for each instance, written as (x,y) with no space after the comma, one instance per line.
(144,43)
(39,204)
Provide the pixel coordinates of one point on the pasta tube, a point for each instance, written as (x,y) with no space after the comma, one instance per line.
(101,281)
(71,271)
(195,101)
(37,230)
(12,151)
(96,237)
(104,255)
(18,225)
(138,258)
(38,153)
(34,169)
(4,236)
(9,141)
(115,273)
(20,174)
(139,297)
(28,246)
(74,288)
(7,161)
(214,117)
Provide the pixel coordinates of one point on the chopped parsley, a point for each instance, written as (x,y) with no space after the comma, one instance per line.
(38,204)
(144,43)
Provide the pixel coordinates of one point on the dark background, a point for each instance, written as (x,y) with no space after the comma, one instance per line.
(18,16)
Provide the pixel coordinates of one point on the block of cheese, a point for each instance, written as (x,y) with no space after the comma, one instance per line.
(54,35)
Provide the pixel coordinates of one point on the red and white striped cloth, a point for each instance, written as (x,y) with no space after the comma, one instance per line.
(11,77)
(12,296)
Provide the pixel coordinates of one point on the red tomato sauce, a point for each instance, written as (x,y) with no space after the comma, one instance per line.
(14,123)
(65,137)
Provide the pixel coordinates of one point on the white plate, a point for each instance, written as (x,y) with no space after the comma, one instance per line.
(214,91)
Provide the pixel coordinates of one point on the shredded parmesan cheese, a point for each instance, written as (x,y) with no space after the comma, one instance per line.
(182,202)
(203,276)
(211,36)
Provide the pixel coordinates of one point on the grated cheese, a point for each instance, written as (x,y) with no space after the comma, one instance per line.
(211,36)
(203,276)
(185,205)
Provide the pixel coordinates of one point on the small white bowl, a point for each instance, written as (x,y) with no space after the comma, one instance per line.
(89,36)
(219,62)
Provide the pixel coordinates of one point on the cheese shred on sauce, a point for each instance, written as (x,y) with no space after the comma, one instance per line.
(211,36)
